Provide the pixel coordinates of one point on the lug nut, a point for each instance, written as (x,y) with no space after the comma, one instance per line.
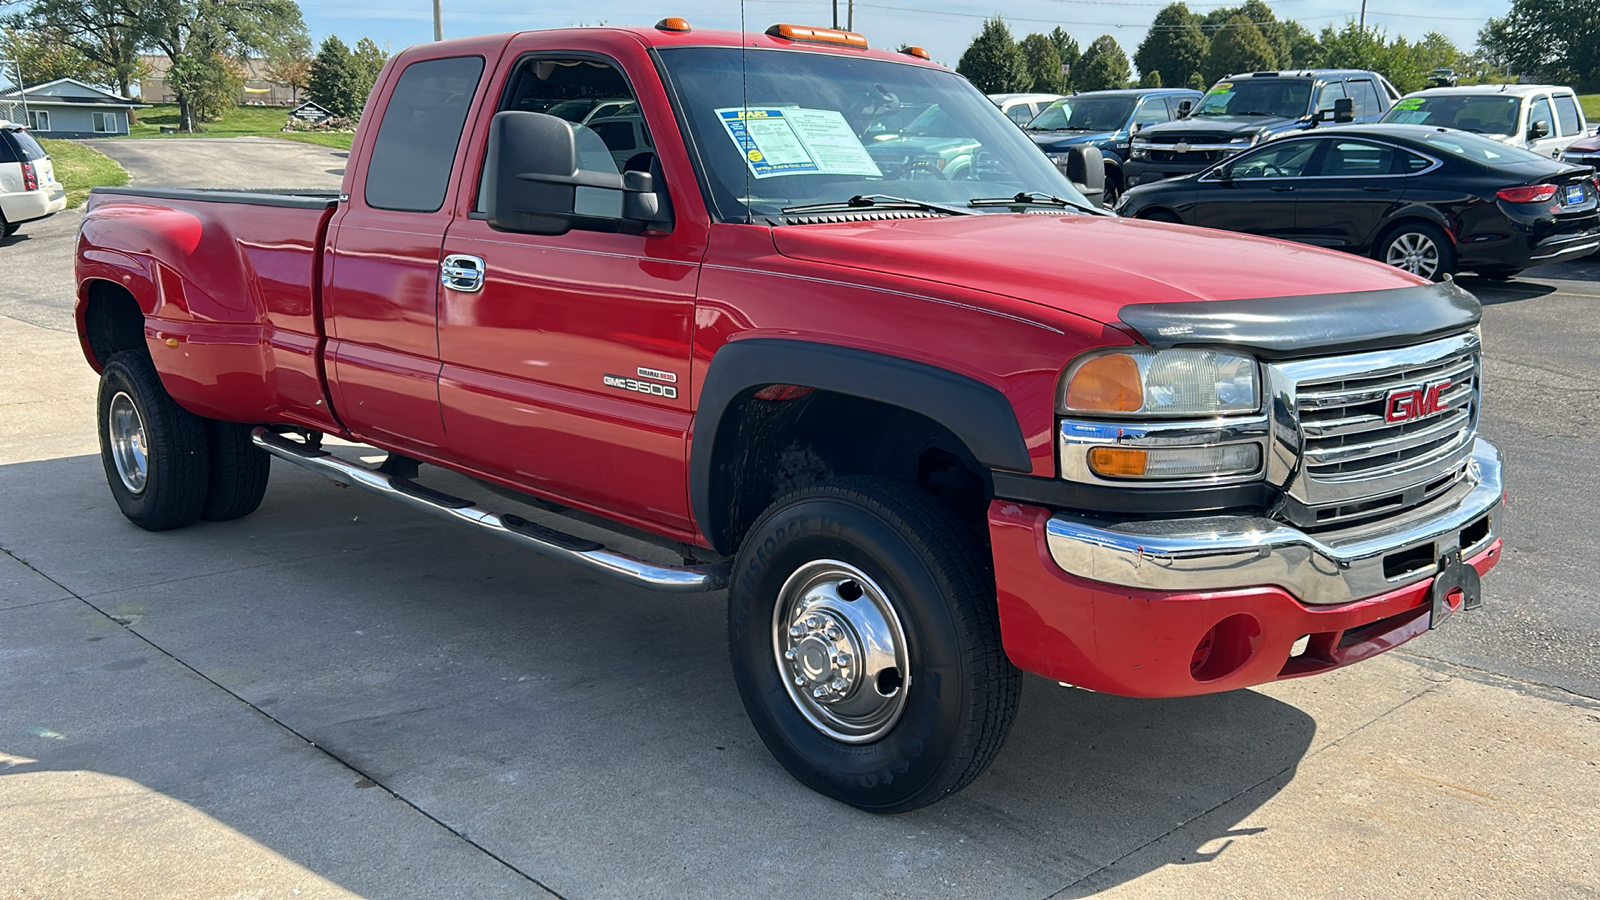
(833,633)
(788,654)
(796,631)
(838,684)
(813,623)
(819,692)
(842,660)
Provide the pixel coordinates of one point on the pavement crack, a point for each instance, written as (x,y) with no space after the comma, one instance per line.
(1491,675)
(291,729)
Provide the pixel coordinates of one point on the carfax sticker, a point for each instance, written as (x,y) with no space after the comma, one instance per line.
(794,141)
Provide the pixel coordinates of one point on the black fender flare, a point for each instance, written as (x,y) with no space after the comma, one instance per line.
(976,413)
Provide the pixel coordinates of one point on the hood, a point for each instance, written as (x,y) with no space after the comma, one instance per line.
(1218,127)
(900,146)
(1587,145)
(1056,140)
(1089,266)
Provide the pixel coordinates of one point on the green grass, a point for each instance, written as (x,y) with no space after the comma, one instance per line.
(238,121)
(1591,106)
(80,168)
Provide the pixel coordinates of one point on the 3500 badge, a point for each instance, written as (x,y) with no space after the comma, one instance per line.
(641,387)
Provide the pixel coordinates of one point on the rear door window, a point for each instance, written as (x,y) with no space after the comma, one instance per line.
(415,149)
(27,146)
(1356,159)
(1567,115)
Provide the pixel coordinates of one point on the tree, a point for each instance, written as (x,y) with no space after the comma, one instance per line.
(1104,66)
(993,62)
(1197,82)
(290,65)
(44,57)
(1044,65)
(1150,79)
(1304,51)
(1557,40)
(1266,21)
(1066,48)
(1175,46)
(1238,47)
(334,81)
(101,36)
(1353,47)
(203,38)
(367,62)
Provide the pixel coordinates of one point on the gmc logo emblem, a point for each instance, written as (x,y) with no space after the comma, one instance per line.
(1405,404)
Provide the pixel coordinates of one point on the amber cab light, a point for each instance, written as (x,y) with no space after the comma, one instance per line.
(818,35)
(1107,383)
(918,52)
(673,23)
(1533,193)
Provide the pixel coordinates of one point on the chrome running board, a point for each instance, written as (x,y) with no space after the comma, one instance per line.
(557,544)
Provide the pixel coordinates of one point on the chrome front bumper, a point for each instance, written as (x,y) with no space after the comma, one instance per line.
(1224,552)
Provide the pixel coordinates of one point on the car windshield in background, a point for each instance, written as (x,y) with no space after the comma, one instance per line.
(1480,149)
(1491,114)
(774,129)
(1084,114)
(30,148)
(1283,97)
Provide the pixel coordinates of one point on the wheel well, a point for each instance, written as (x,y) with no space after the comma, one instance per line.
(112,321)
(766,448)
(1388,230)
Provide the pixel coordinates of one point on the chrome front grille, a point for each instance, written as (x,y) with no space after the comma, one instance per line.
(1349,461)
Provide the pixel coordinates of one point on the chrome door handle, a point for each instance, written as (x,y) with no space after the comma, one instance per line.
(460,272)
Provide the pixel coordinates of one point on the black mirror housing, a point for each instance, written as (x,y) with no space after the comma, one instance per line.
(533,183)
(1086,169)
(1184,108)
(1344,110)
(1538,130)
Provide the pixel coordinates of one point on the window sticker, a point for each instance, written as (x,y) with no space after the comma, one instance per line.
(793,141)
(1411,103)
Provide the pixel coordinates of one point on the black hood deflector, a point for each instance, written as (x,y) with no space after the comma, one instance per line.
(1309,325)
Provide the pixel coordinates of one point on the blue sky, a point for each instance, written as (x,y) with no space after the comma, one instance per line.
(944,28)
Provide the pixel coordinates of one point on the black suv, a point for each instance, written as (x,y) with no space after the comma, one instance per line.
(1241,111)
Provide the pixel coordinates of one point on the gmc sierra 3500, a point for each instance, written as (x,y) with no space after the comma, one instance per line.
(929,432)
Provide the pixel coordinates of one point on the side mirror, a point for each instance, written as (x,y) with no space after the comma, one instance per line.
(1184,108)
(1538,130)
(533,182)
(1086,169)
(1344,110)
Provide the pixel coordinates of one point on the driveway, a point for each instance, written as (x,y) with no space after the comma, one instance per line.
(339,696)
(244,162)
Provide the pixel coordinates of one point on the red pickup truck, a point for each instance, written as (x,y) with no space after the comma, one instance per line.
(930,417)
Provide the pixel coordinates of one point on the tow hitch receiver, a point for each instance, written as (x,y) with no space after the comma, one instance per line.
(1455,587)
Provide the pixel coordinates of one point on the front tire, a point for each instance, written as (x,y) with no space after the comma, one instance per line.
(154,451)
(239,471)
(865,641)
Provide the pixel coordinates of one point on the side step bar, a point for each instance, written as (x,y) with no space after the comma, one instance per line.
(592,555)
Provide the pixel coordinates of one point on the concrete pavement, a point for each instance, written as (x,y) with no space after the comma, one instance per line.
(338,696)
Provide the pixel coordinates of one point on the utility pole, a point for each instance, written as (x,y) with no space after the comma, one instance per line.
(1363,14)
(850,16)
(836,13)
(438,19)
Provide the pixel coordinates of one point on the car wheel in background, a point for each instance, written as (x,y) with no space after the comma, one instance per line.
(865,642)
(1113,191)
(1419,248)
(154,451)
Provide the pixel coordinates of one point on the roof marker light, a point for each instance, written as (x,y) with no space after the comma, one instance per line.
(676,24)
(818,35)
(918,52)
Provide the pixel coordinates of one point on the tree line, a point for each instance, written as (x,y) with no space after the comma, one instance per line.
(1556,40)
(205,42)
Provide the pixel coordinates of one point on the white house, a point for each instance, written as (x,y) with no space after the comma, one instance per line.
(68,108)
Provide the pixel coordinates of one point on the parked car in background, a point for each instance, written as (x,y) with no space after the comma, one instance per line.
(1241,111)
(1021,108)
(1107,121)
(1542,118)
(1585,152)
(28,186)
(1431,201)
(1443,77)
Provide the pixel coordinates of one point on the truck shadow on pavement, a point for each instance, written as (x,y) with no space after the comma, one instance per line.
(587,735)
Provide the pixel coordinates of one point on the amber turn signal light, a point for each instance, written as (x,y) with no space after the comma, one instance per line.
(673,23)
(1115,462)
(1107,383)
(818,35)
(918,52)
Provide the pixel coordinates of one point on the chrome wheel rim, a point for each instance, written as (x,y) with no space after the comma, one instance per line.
(1415,252)
(129,449)
(841,651)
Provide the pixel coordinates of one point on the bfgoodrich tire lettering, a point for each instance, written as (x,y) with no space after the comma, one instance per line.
(154,451)
(960,690)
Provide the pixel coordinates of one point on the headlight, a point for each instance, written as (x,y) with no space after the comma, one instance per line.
(1145,382)
(1059,159)
(1250,141)
(1140,151)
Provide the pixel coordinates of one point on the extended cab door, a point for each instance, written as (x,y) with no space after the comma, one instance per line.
(381,275)
(566,372)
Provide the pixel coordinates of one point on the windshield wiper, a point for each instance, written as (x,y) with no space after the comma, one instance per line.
(875,201)
(1035,198)
(1257,112)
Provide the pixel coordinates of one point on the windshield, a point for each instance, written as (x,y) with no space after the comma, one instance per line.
(1484,114)
(1282,97)
(1084,114)
(1480,149)
(822,128)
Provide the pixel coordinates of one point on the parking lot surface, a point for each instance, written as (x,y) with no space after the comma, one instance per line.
(336,696)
